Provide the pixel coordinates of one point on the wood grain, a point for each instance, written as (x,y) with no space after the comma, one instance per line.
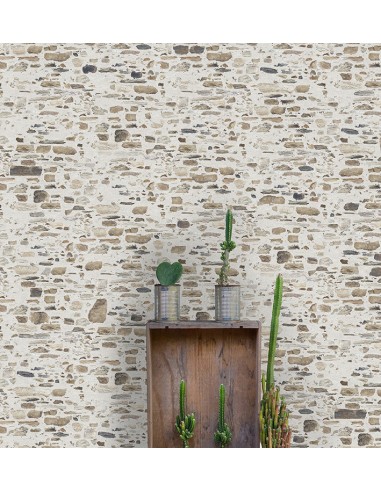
(204,357)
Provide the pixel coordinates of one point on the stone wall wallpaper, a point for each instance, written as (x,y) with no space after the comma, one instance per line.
(116,157)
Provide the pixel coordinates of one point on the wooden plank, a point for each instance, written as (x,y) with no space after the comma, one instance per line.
(201,325)
(205,358)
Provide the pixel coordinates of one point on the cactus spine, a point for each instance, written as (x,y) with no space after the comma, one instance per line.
(223,435)
(273,415)
(185,424)
(227,246)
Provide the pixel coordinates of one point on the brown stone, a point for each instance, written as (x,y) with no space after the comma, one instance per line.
(367,246)
(204,178)
(145,89)
(138,238)
(307,211)
(376,272)
(58,270)
(60,57)
(271,200)
(38,317)
(221,57)
(62,149)
(141,210)
(93,265)
(300,360)
(98,312)
(58,421)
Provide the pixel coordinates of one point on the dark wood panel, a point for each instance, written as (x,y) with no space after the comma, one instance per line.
(204,358)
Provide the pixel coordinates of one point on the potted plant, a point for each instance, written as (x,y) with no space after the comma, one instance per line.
(273,416)
(227,296)
(167,292)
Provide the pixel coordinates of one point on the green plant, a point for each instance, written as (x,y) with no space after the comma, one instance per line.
(223,435)
(168,274)
(273,416)
(185,424)
(227,246)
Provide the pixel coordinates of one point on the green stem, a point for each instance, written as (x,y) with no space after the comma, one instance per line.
(274,331)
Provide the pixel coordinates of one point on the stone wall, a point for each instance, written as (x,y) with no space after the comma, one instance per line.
(116,157)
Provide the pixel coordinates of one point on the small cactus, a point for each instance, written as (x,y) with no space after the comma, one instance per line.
(185,424)
(227,246)
(223,435)
(168,274)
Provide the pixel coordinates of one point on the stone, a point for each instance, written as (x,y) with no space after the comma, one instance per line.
(93,265)
(39,317)
(220,57)
(57,421)
(140,210)
(300,360)
(59,57)
(346,413)
(62,149)
(351,206)
(121,135)
(40,196)
(367,245)
(98,312)
(307,211)
(89,69)
(181,49)
(121,378)
(183,224)
(271,200)
(283,256)
(310,426)
(145,89)
(364,439)
(268,70)
(375,272)
(25,170)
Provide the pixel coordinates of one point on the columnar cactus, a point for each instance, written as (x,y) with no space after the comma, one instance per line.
(273,416)
(185,424)
(223,435)
(227,246)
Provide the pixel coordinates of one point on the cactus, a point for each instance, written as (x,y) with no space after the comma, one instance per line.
(273,415)
(223,435)
(185,424)
(227,246)
(168,274)
(277,304)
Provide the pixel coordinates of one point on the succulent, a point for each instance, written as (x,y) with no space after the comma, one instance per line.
(185,424)
(223,435)
(168,274)
(273,415)
(227,246)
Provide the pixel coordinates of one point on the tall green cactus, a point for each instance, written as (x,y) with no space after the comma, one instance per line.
(277,304)
(273,415)
(223,434)
(227,246)
(185,424)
